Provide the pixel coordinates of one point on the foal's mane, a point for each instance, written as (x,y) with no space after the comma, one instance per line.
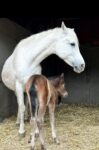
(55,80)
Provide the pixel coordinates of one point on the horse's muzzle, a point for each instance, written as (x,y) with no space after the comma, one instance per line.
(79,69)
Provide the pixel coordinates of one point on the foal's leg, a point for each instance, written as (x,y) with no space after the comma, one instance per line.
(36,113)
(38,124)
(33,122)
(41,113)
(52,121)
(32,136)
(20,99)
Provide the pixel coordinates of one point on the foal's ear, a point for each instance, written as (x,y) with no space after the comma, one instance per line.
(62,75)
(62,78)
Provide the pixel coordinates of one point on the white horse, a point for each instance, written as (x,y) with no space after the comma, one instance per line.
(29,53)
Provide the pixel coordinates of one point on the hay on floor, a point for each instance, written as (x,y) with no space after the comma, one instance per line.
(77,129)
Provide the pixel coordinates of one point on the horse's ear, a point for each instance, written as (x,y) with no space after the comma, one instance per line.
(63,26)
(73,29)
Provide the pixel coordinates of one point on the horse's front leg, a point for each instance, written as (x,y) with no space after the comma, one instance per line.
(21,106)
(18,118)
(52,121)
(26,115)
(18,115)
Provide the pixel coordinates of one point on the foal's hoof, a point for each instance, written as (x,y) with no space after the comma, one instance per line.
(56,141)
(22,135)
(29,140)
(26,119)
(43,147)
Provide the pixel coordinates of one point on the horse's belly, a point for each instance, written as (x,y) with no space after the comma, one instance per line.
(29,72)
(8,75)
(18,69)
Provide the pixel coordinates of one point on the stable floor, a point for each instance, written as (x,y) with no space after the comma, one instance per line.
(77,129)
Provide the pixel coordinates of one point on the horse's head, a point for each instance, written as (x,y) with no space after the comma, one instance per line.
(67,48)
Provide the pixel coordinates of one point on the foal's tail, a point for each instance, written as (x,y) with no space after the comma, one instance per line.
(49,93)
(27,88)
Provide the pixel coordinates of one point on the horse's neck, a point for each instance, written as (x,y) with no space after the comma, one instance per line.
(42,45)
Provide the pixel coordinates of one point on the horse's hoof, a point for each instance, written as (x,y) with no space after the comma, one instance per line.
(43,147)
(56,141)
(31,148)
(17,124)
(22,135)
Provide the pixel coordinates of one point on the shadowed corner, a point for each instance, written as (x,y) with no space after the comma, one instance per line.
(1,119)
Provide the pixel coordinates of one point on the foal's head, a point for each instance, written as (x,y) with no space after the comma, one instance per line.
(59,84)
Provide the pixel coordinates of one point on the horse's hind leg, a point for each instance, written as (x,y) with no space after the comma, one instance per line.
(26,115)
(20,100)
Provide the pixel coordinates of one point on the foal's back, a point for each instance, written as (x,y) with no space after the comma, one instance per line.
(43,87)
(38,83)
(46,90)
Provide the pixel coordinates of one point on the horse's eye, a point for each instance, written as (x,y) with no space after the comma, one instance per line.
(72,44)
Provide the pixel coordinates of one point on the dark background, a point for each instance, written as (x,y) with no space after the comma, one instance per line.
(83,88)
(87,28)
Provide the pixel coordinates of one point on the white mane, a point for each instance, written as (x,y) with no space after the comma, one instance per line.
(44,35)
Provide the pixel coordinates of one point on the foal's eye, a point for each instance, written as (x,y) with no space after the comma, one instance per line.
(72,44)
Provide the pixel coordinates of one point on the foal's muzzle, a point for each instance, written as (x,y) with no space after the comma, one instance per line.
(65,94)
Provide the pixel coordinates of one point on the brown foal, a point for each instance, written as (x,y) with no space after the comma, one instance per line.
(47,95)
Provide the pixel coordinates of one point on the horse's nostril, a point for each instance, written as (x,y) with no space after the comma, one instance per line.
(82,65)
(76,67)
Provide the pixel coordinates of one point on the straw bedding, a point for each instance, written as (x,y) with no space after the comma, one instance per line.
(77,129)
